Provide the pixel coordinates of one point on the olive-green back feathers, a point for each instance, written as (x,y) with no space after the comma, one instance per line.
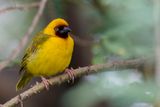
(38,40)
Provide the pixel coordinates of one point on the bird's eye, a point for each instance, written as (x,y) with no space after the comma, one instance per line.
(59,28)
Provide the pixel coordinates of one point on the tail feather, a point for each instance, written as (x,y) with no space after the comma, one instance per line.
(23,81)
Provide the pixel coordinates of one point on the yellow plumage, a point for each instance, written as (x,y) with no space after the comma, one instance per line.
(53,57)
(49,54)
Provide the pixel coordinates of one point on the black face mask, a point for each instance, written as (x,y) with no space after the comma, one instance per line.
(62,31)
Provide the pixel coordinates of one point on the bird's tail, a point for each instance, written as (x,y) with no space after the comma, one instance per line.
(24,80)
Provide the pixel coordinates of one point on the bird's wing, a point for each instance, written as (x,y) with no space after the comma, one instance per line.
(38,40)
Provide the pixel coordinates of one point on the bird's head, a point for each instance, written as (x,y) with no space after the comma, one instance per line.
(58,27)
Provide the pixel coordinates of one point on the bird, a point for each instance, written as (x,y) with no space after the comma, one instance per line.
(48,54)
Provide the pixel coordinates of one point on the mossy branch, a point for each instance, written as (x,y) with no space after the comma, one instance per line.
(77,73)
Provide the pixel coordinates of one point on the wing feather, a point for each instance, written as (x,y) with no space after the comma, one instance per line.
(39,39)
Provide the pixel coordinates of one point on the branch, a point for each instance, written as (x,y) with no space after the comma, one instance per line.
(25,38)
(77,73)
(19,7)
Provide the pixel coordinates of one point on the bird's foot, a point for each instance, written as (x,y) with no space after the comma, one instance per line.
(46,82)
(70,74)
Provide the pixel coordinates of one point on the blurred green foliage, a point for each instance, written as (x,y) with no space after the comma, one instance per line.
(126,30)
(116,88)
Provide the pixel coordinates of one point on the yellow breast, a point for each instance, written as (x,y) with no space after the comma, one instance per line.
(52,57)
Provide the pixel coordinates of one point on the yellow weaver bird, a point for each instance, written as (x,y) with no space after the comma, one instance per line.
(49,53)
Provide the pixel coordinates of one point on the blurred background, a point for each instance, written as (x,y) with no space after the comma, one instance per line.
(105,30)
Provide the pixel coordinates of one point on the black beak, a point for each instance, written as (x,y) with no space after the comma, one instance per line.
(67,29)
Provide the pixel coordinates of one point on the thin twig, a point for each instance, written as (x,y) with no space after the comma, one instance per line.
(21,102)
(25,38)
(19,7)
(77,73)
